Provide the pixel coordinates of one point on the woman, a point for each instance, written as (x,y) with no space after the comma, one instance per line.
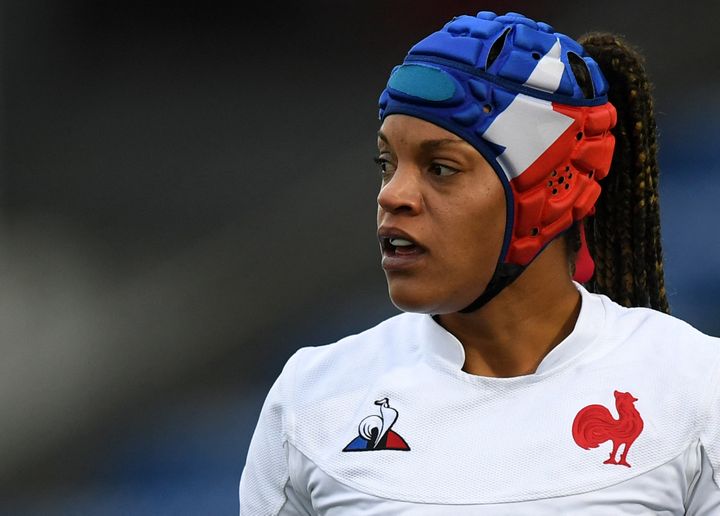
(508,387)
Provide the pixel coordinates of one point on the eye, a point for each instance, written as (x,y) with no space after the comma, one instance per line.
(442,170)
(386,167)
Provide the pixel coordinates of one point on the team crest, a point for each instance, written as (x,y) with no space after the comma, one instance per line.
(375,431)
(594,425)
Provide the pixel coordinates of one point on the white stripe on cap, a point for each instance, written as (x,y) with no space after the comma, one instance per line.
(547,74)
(527,128)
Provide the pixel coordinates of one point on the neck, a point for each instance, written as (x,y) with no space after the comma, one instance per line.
(512,333)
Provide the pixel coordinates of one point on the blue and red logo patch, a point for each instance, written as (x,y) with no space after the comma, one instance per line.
(375,431)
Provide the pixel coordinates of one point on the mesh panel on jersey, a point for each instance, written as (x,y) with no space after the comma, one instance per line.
(660,491)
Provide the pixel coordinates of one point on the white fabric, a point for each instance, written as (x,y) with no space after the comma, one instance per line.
(648,493)
(481,445)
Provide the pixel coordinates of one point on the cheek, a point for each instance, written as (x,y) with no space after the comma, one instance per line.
(474,239)
(480,220)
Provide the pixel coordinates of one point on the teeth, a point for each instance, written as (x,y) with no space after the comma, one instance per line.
(400,242)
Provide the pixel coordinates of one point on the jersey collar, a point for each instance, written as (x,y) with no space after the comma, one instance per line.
(443,350)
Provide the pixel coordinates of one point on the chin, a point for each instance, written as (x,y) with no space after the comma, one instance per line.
(410,306)
(425,300)
(412,300)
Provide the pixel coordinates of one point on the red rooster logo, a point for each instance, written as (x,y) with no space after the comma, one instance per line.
(594,425)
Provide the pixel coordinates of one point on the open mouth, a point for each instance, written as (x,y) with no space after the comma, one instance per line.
(399,246)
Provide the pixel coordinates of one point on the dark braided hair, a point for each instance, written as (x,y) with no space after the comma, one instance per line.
(624,234)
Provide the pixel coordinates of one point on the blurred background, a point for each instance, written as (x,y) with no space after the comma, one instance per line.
(187,196)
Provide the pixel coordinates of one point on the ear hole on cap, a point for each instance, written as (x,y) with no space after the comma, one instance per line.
(582,74)
(496,48)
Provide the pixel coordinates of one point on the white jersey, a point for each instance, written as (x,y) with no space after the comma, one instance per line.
(622,417)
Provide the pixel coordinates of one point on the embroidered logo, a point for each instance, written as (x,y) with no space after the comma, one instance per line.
(375,431)
(594,425)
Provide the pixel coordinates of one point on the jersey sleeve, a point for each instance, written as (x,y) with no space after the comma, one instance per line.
(265,485)
(704,495)
(710,433)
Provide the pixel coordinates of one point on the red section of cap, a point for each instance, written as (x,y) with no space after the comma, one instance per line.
(584,264)
(561,186)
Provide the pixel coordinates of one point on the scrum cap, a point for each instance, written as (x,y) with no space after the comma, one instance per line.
(535,106)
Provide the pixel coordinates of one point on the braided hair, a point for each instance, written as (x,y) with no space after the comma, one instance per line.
(624,234)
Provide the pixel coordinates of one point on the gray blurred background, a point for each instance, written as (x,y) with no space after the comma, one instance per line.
(187,196)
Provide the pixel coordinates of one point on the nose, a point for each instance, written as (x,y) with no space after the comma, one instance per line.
(401,193)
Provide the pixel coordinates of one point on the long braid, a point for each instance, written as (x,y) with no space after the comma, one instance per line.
(624,234)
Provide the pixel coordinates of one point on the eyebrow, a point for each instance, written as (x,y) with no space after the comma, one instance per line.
(428,145)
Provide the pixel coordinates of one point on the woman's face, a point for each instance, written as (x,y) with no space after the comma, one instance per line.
(439,195)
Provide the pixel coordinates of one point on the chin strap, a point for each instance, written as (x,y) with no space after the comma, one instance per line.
(505,273)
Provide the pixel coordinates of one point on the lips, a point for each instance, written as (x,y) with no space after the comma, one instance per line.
(400,249)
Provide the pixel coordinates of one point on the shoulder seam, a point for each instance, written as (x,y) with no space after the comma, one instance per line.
(712,394)
(289,413)
(285,498)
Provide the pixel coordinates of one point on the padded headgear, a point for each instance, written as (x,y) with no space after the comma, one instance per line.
(508,86)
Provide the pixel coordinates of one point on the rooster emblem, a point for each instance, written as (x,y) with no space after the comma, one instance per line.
(594,425)
(375,433)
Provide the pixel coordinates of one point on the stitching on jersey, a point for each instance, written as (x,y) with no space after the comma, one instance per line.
(689,495)
(712,394)
(351,485)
